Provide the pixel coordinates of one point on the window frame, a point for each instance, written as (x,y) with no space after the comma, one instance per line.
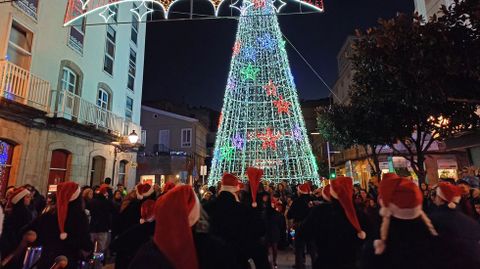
(122,175)
(100,101)
(127,109)
(183,135)
(132,69)
(68,71)
(110,40)
(17,48)
(80,29)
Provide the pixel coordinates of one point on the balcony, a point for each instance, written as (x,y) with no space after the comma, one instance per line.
(72,107)
(19,85)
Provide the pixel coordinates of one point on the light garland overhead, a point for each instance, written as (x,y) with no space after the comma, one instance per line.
(262,124)
(77,9)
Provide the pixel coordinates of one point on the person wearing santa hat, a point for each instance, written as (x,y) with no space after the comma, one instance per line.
(64,230)
(177,243)
(406,232)
(130,209)
(15,220)
(337,229)
(298,212)
(239,225)
(459,235)
(128,243)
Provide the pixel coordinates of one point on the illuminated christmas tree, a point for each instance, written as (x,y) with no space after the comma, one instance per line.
(262,123)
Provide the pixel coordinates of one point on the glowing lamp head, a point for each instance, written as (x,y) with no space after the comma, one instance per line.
(133,137)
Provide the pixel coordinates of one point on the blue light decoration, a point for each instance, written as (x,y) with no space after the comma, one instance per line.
(297,133)
(249,53)
(238,141)
(231,84)
(266,41)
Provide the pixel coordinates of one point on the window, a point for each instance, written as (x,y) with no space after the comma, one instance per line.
(77,35)
(132,67)
(28,6)
(129,108)
(186,138)
(110,49)
(19,49)
(6,156)
(103,99)
(69,81)
(58,167)
(113,9)
(122,172)
(135,23)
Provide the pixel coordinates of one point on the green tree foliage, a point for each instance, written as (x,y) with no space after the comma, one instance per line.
(419,81)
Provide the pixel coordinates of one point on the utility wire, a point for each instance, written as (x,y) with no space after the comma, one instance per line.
(311,68)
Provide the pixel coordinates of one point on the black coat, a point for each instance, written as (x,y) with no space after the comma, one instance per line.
(299,209)
(334,236)
(276,226)
(239,226)
(409,245)
(12,234)
(459,237)
(48,236)
(128,217)
(101,212)
(211,253)
(127,244)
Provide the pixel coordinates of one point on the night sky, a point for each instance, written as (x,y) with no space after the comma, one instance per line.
(188,61)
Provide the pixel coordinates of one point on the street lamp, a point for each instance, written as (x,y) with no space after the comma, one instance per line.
(133,137)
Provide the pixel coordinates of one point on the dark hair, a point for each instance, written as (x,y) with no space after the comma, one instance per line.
(108,180)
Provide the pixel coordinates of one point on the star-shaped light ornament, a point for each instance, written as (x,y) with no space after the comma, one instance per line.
(297,133)
(236,48)
(141,14)
(269,139)
(238,141)
(278,5)
(107,13)
(282,105)
(266,41)
(250,72)
(270,88)
(226,153)
(249,53)
(84,3)
(240,7)
(231,84)
(259,4)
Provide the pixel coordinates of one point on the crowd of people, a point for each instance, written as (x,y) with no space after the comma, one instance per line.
(238,225)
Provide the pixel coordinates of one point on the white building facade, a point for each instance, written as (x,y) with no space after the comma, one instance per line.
(427,8)
(69,96)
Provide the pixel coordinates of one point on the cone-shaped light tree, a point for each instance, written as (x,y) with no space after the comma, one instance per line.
(261,124)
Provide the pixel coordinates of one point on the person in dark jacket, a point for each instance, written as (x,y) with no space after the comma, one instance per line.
(298,212)
(239,226)
(101,212)
(459,235)
(177,215)
(128,243)
(336,227)
(406,231)
(15,221)
(38,201)
(64,230)
(276,230)
(130,209)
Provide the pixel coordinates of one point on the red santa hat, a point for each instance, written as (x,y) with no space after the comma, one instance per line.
(254,177)
(66,193)
(143,190)
(401,198)
(175,213)
(449,193)
(304,188)
(342,190)
(168,186)
(103,189)
(147,211)
(18,194)
(326,194)
(230,183)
